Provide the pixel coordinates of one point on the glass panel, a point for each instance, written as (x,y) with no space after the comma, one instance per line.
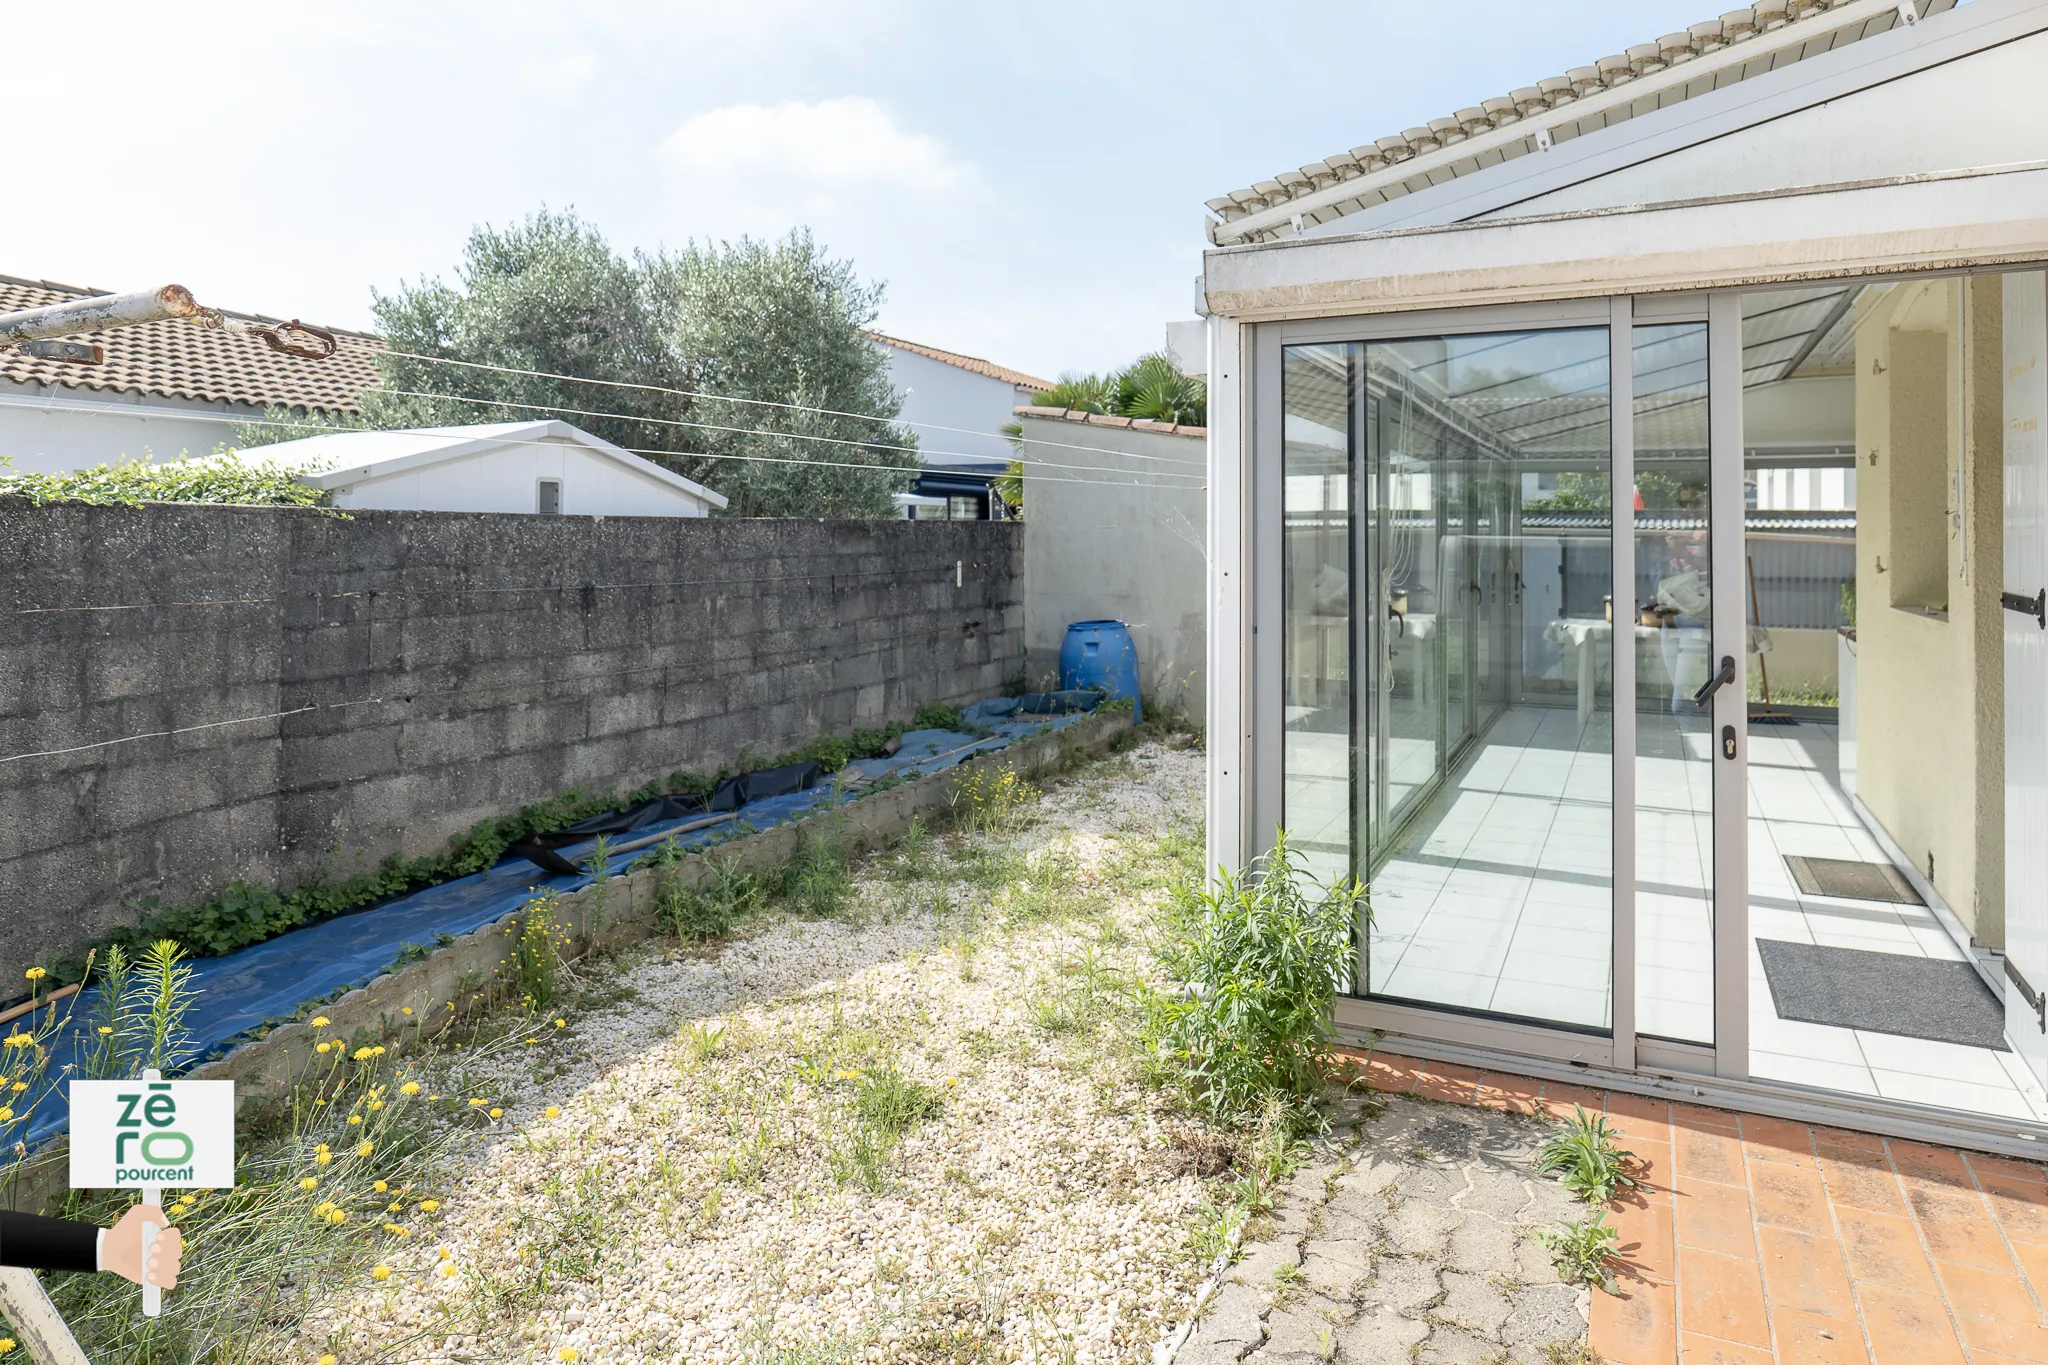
(1317,440)
(1491,874)
(1674,639)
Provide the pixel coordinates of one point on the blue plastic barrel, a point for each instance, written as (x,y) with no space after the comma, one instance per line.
(1102,655)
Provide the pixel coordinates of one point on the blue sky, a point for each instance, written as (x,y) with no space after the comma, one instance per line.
(1027,179)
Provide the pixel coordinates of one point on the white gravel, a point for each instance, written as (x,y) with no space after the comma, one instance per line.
(684,1204)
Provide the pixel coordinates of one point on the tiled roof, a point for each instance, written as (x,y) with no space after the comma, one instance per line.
(966,362)
(1741,44)
(177,359)
(1102,419)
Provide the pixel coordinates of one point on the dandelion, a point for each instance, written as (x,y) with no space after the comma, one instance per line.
(567,1353)
(364,1149)
(6,1113)
(19,1039)
(322,1158)
(319,1021)
(431,1206)
(363,1054)
(409,1088)
(321,1147)
(393,1207)
(35,973)
(377,1051)
(394,1229)
(449,1270)
(406,1009)
(478,1104)
(952,1080)
(6,1345)
(379,1186)
(309,1183)
(104,1030)
(531,1041)
(497,1113)
(381,1273)
(432,1098)
(322,1047)
(561,1023)
(327,1359)
(337,1216)
(553,1111)
(375,1105)
(355,1118)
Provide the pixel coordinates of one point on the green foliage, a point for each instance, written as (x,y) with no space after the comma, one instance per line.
(779,322)
(936,716)
(226,477)
(1584,1155)
(726,899)
(109,1046)
(884,1106)
(818,881)
(245,914)
(1260,957)
(1150,387)
(537,955)
(1849,603)
(162,987)
(1582,1250)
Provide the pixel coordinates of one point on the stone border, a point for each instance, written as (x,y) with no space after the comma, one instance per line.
(266,1069)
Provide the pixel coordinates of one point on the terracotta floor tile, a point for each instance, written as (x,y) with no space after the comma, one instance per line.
(1996,1312)
(1714,1218)
(1707,1154)
(1393,1074)
(1960,1230)
(1908,1329)
(1768,1139)
(1790,1198)
(2020,1206)
(1452,1084)
(1863,1181)
(1995,1358)
(1700,1117)
(1558,1099)
(2034,1266)
(1515,1094)
(2007,1168)
(1652,1170)
(1938,1166)
(1645,1239)
(1638,1326)
(1694,1349)
(1803,1275)
(1722,1296)
(1639,1118)
(1841,1139)
(1806,1339)
(1883,1248)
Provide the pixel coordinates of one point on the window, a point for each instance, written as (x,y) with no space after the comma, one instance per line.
(550,500)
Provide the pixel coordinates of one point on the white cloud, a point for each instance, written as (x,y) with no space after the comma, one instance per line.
(850,143)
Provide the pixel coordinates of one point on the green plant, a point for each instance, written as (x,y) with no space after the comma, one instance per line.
(1584,1155)
(109,1049)
(1849,603)
(1258,958)
(224,477)
(725,898)
(161,985)
(884,1105)
(914,861)
(537,953)
(1583,1250)
(936,716)
(991,798)
(1151,387)
(818,881)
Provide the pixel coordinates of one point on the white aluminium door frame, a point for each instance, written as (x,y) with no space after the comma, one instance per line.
(1730,734)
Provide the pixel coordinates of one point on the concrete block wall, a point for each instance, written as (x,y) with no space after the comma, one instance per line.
(390,678)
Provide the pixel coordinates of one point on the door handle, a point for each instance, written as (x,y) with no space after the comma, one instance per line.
(1717,682)
(2035,606)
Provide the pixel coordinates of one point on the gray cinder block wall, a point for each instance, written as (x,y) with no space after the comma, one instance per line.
(1115,512)
(375,684)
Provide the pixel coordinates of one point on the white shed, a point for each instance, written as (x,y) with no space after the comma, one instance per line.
(543,466)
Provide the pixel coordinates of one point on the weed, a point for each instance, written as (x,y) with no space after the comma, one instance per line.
(409,953)
(1584,1154)
(991,800)
(884,1106)
(724,898)
(537,954)
(1260,962)
(702,1041)
(818,882)
(1571,1353)
(108,1056)
(914,860)
(1582,1250)
(162,985)
(935,716)
(1217,1226)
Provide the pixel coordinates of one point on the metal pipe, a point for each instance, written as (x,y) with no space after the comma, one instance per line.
(98,313)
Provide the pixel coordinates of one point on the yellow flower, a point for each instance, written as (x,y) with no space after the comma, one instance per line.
(449,1270)
(308,1183)
(393,1207)
(18,1087)
(322,1047)
(6,1344)
(566,1353)
(327,1359)
(320,1147)
(364,1149)
(19,1040)
(6,1113)
(374,1105)
(532,1040)
(429,1206)
(433,1097)
(363,1054)
(551,1112)
(319,1021)
(952,1080)
(478,1104)
(561,1023)
(497,1113)
(35,973)
(394,1229)
(337,1216)
(381,1273)
(355,1118)
(377,1051)
(379,1186)
(407,1009)
(104,1030)
(409,1088)
(322,1158)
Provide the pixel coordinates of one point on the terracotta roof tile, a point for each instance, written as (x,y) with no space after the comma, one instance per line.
(966,362)
(178,359)
(1103,419)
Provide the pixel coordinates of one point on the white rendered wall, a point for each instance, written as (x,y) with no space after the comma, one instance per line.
(508,480)
(53,433)
(1119,539)
(947,396)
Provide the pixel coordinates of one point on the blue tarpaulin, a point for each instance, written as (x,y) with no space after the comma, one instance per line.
(234,994)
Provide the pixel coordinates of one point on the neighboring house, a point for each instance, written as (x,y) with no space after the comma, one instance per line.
(546,467)
(166,389)
(958,405)
(1593,361)
(1115,532)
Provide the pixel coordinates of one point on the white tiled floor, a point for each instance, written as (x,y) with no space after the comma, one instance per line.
(1499,900)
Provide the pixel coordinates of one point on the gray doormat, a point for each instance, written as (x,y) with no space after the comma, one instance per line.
(1915,997)
(1852,881)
